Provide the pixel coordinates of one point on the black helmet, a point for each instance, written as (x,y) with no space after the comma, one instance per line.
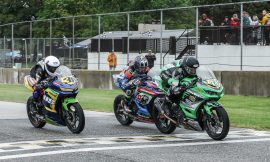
(190,64)
(140,64)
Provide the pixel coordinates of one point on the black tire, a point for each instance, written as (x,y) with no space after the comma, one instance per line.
(223,123)
(74,118)
(32,114)
(118,111)
(163,124)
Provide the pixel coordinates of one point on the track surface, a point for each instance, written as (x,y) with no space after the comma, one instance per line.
(104,139)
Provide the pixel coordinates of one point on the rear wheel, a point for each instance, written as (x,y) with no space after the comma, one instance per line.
(74,118)
(33,115)
(163,124)
(217,126)
(119,110)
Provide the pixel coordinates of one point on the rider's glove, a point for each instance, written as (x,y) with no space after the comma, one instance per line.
(176,90)
(44,83)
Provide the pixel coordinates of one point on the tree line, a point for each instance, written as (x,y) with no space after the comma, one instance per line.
(29,10)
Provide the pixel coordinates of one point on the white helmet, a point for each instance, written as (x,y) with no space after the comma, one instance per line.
(51,64)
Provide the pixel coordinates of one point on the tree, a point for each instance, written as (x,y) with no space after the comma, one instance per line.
(16,11)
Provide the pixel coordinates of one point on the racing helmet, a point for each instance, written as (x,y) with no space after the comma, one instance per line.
(141,64)
(190,65)
(51,64)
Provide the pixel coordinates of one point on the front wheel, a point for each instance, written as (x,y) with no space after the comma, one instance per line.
(217,125)
(163,124)
(33,115)
(118,106)
(74,118)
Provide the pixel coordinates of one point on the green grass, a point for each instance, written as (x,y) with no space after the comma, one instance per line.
(90,98)
(248,111)
(244,111)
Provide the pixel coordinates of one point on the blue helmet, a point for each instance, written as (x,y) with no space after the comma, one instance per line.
(140,64)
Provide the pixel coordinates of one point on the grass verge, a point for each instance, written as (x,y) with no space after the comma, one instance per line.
(244,111)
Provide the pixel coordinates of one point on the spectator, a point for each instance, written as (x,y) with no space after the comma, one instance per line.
(151,59)
(246,19)
(211,21)
(247,32)
(205,33)
(264,22)
(235,23)
(204,21)
(255,23)
(112,60)
(225,22)
(225,32)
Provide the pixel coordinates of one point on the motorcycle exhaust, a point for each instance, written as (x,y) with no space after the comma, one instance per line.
(175,122)
(158,104)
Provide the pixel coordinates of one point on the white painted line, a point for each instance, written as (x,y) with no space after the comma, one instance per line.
(128,147)
(57,143)
(88,113)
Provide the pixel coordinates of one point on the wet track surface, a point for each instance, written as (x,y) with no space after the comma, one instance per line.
(104,139)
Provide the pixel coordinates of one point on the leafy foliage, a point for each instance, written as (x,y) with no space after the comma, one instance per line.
(26,10)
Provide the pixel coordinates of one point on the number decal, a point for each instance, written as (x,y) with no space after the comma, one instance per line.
(67,80)
(213,83)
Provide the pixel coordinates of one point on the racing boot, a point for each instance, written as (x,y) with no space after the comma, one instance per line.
(127,104)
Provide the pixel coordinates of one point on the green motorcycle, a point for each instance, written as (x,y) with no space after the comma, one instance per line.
(198,108)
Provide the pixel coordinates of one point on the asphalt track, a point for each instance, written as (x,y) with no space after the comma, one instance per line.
(104,139)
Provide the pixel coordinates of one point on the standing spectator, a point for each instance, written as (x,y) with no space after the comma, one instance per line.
(246,19)
(247,32)
(205,33)
(235,24)
(264,21)
(204,21)
(255,23)
(225,22)
(150,58)
(225,31)
(112,60)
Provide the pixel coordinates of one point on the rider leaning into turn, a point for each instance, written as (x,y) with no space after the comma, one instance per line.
(135,69)
(173,74)
(43,70)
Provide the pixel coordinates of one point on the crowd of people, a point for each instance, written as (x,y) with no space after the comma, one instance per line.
(255,29)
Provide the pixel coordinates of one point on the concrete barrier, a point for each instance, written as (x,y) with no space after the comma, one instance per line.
(246,83)
(234,82)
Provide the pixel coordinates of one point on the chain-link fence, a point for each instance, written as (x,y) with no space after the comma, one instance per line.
(84,42)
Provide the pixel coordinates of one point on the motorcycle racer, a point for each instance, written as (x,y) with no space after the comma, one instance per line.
(136,69)
(42,71)
(172,75)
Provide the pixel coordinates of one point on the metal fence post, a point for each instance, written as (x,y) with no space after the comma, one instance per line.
(73,40)
(241,36)
(12,43)
(44,47)
(30,39)
(161,32)
(98,42)
(25,46)
(4,43)
(50,37)
(197,32)
(128,19)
